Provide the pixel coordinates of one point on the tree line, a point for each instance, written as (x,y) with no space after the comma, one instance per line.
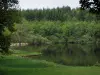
(64,13)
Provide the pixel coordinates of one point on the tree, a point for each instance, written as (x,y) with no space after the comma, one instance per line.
(91,5)
(8,16)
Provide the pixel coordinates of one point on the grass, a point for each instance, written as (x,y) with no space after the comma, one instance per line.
(26,50)
(24,53)
(52,71)
(15,64)
(24,66)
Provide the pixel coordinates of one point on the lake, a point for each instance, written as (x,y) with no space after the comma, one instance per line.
(70,54)
(73,54)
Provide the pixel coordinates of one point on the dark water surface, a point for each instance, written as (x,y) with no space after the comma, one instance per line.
(73,54)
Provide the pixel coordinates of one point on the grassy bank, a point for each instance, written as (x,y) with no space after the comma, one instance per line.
(14,65)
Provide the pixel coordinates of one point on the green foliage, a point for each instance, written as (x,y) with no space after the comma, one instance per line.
(50,32)
(62,14)
(39,40)
(8,16)
(91,5)
(37,32)
(57,25)
(6,32)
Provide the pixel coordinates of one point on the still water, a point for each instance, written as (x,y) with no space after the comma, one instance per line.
(70,54)
(73,54)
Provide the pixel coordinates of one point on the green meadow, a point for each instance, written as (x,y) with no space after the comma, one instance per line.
(15,64)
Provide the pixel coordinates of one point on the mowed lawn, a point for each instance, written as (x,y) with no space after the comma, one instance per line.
(15,65)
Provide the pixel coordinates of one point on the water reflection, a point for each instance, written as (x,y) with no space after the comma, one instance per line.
(72,54)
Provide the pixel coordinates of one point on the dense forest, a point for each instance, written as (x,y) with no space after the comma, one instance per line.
(64,13)
(57,25)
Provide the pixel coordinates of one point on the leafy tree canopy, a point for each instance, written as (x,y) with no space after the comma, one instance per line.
(8,16)
(91,5)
